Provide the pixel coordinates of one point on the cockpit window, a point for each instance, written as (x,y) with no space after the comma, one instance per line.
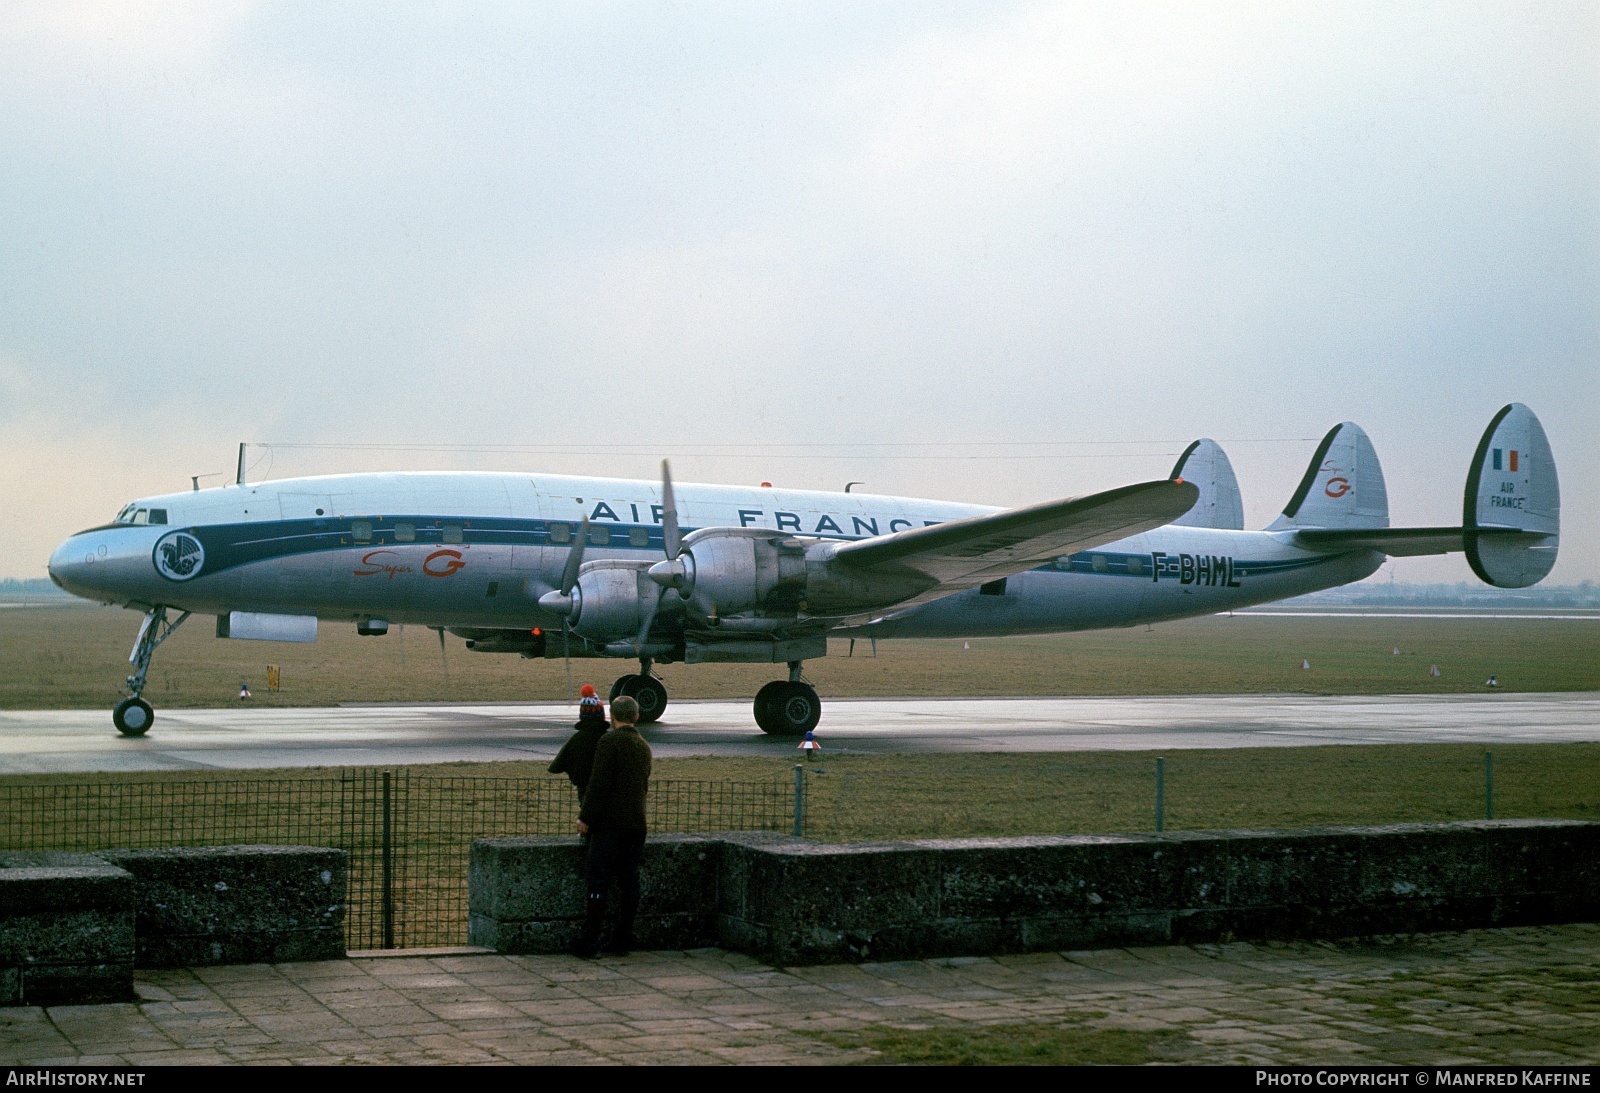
(158,516)
(140,516)
(125,516)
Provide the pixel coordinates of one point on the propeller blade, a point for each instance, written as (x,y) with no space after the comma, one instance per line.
(566,655)
(669,514)
(649,618)
(569,573)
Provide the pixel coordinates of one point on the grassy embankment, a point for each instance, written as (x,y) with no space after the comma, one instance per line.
(76,657)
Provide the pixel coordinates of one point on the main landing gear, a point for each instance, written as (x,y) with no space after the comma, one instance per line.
(646,690)
(133,715)
(788,707)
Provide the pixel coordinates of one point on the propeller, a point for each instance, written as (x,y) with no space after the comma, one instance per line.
(444,657)
(672,573)
(561,602)
(672,541)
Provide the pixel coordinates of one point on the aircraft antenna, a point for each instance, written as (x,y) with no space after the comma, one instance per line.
(239,478)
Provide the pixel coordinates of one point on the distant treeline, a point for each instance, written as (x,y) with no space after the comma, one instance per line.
(1382,593)
(33,586)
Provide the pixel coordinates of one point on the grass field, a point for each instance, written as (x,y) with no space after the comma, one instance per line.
(75,657)
(992,794)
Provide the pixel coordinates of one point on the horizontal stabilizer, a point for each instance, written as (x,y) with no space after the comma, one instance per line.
(1406,542)
(962,553)
(1206,465)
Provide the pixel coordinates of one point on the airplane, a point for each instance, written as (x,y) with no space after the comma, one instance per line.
(561,566)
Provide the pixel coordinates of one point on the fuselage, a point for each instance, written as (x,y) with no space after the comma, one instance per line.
(477,550)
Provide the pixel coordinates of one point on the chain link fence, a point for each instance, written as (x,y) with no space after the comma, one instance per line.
(408,836)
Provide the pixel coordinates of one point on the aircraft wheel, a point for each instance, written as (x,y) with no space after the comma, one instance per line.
(649,692)
(763,705)
(133,716)
(617,687)
(792,710)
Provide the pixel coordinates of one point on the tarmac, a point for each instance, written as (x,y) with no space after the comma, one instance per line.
(242,737)
(1522,996)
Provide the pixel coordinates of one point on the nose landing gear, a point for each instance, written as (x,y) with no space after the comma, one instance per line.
(133,715)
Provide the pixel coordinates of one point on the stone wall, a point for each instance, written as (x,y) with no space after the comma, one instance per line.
(66,930)
(792,901)
(236,904)
(528,895)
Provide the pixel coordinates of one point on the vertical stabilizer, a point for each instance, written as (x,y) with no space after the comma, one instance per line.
(1220,506)
(1342,488)
(1512,484)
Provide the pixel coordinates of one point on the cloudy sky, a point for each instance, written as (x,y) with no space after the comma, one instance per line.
(990,252)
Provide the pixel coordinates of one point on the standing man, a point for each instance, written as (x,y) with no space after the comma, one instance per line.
(576,757)
(613,818)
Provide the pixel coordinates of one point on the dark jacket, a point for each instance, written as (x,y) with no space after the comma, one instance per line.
(614,800)
(576,757)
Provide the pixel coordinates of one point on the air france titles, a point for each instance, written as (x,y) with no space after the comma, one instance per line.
(824,524)
(1506,498)
(1207,569)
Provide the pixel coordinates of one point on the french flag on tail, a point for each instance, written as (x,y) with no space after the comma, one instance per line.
(1513,459)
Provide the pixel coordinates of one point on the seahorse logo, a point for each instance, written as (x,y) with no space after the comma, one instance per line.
(179,556)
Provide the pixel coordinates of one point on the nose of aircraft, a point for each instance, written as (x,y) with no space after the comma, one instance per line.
(85,563)
(72,562)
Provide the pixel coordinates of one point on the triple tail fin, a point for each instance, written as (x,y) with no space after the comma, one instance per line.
(1511,510)
(1512,487)
(1220,505)
(1342,488)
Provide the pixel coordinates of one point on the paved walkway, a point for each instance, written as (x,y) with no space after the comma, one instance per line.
(61,741)
(1517,996)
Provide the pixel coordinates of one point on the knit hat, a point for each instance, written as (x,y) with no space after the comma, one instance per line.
(587,690)
(590,702)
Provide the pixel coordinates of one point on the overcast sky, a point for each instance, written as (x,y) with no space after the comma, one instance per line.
(770,240)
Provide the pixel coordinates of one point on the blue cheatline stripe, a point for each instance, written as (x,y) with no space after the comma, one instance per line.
(230,545)
(1141,565)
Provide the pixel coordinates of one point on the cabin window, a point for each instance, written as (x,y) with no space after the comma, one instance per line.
(1098,563)
(639,537)
(361,531)
(560,533)
(494,586)
(452,533)
(158,516)
(599,535)
(405,533)
(1136,565)
(1064,563)
(993,588)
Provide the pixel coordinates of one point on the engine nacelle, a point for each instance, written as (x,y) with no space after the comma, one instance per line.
(609,600)
(728,571)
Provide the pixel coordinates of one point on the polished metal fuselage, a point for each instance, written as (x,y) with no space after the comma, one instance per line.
(478,550)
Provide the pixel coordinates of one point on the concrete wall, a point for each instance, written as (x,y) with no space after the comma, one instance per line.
(529,895)
(236,904)
(793,901)
(66,930)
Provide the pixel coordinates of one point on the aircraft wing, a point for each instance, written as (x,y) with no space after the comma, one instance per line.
(963,553)
(1401,542)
